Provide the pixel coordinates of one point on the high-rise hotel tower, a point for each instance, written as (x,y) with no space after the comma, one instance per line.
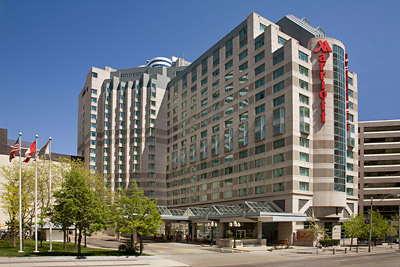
(122,127)
(266,114)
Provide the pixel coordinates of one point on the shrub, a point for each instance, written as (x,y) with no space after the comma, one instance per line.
(329,242)
(128,248)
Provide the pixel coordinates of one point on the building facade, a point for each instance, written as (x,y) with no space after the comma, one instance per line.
(267,114)
(122,124)
(380,166)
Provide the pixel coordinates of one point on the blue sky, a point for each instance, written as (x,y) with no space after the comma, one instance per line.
(48,47)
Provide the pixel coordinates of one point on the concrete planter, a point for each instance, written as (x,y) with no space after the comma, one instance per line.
(228,243)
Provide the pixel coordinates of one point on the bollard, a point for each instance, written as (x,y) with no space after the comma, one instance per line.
(357,249)
(345,250)
(334,251)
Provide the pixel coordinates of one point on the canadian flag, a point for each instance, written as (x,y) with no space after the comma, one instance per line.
(28,153)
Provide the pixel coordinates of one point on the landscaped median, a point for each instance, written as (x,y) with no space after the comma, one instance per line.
(8,250)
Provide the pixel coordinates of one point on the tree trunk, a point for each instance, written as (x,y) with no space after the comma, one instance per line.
(65,240)
(141,245)
(41,236)
(76,237)
(13,237)
(351,243)
(79,242)
(131,245)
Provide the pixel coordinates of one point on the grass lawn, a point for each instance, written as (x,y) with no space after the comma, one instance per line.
(7,250)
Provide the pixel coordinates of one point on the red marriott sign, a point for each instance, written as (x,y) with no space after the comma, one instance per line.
(324,46)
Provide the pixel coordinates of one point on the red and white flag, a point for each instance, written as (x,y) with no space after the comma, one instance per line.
(28,153)
(14,149)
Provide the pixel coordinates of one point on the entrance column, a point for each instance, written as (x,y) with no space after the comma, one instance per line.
(221,230)
(193,231)
(259,232)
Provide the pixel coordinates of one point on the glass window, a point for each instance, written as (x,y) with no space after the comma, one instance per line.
(304,142)
(349,191)
(260,95)
(243,54)
(260,82)
(259,56)
(259,189)
(259,44)
(304,186)
(260,149)
(259,69)
(243,79)
(244,91)
(279,157)
(278,172)
(228,143)
(229,64)
(244,103)
(304,157)
(279,187)
(259,128)
(279,72)
(279,86)
(243,67)
(215,73)
(260,109)
(244,116)
(281,40)
(243,179)
(303,99)
(279,143)
(228,76)
(304,171)
(303,70)
(243,134)
(279,100)
(303,56)
(278,58)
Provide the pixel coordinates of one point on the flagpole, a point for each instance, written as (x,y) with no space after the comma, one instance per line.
(36,230)
(50,234)
(20,197)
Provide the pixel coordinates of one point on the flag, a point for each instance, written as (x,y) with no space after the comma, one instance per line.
(14,149)
(45,150)
(28,153)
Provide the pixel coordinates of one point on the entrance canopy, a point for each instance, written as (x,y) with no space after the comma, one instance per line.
(245,212)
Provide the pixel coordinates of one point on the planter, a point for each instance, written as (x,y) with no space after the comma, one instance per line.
(228,243)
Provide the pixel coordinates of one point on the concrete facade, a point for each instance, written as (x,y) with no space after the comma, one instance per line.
(245,123)
(380,166)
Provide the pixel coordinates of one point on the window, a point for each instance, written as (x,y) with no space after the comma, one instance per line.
(228,158)
(192,153)
(243,154)
(215,73)
(260,149)
(244,116)
(279,143)
(94,100)
(228,99)
(279,121)
(243,54)
(303,70)
(304,142)
(215,84)
(204,102)
(260,95)
(303,99)
(350,154)
(304,171)
(243,179)
(244,103)
(260,109)
(350,179)
(243,192)
(94,74)
(278,58)
(228,194)
(279,86)
(279,157)
(229,64)
(243,134)
(243,79)
(278,172)
(304,119)
(281,40)
(349,191)
(244,91)
(215,145)
(259,69)
(259,44)
(243,43)
(259,82)
(279,72)
(243,67)
(304,186)
(259,56)
(259,189)
(229,87)
(259,163)
(215,95)
(279,100)
(303,56)
(228,144)
(260,176)
(228,170)
(350,166)
(228,76)
(304,157)
(279,187)
(259,128)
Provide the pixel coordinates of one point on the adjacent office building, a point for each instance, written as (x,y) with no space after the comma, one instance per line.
(266,115)
(380,166)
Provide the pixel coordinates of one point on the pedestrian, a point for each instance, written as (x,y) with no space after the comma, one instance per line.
(176,237)
(187,238)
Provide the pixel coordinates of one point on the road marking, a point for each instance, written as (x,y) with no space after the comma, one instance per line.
(370,263)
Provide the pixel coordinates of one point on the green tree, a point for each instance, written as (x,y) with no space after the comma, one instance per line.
(317,231)
(10,196)
(134,213)
(380,226)
(79,203)
(393,227)
(355,227)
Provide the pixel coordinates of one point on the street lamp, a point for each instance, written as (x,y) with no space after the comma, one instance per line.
(370,221)
(235,225)
(212,225)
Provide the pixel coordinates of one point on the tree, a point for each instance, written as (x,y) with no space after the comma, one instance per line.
(355,227)
(79,203)
(317,232)
(10,196)
(393,227)
(380,225)
(134,213)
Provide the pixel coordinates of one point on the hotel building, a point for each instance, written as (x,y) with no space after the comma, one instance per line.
(263,121)
(266,115)
(122,124)
(379,173)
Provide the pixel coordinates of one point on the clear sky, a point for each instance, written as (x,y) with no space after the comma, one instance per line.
(48,47)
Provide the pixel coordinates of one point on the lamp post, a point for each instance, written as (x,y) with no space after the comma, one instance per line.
(235,225)
(212,225)
(370,221)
